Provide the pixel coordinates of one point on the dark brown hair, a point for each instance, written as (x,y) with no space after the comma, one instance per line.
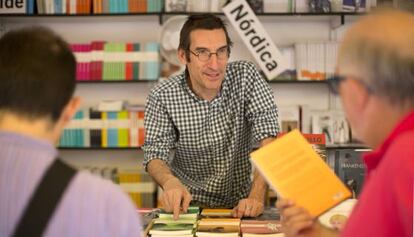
(200,21)
(37,73)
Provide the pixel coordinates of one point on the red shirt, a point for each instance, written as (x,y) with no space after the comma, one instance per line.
(385,206)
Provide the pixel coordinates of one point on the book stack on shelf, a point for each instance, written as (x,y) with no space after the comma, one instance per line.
(315,61)
(139,185)
(332,123)
(272,6)
(127,6)
(92,128)
(136,183)
(111,61)
(83,7)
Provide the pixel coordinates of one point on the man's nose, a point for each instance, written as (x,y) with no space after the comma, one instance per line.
(213,61)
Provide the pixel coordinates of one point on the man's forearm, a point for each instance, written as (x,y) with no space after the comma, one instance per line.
(259,185)
(159,171)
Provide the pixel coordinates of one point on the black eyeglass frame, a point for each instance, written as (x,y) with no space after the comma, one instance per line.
(335,80)
(333,83)
(197,54)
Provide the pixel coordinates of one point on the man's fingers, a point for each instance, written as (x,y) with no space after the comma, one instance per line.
(241,208)
(256,210)
(166,202)
(186,201)
(176,205)
(235,210)
(294,211)
(297,227)
(283,203)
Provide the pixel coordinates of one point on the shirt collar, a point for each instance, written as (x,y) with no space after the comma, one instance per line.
(9,139)
(372,159)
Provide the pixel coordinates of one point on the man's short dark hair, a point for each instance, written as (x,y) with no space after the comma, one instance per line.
(197,22)
(37,73)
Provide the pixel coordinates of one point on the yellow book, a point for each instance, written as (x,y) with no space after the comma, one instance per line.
(296,172)
(104,133)
(216,212)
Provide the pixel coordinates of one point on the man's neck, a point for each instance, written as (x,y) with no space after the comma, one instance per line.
(386,119)
(38,129)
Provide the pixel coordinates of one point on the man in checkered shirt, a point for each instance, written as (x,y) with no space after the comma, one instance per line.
(210,116)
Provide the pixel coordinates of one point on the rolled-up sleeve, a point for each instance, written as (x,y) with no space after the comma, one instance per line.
(159,131)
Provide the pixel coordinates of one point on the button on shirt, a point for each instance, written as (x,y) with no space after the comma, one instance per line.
(211,140)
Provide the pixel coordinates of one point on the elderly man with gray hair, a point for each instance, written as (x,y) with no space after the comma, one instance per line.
(376,83)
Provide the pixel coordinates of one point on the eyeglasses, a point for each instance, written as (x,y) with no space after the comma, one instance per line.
(204,55)
(335,80)
(333,83)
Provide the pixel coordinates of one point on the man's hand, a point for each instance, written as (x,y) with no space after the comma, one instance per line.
(175,197)
(296,221)
(248,207)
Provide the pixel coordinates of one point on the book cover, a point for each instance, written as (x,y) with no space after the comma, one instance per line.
(336,217)
(216,212)
(260,227)
(317,141)
(172,228)
(289,118)
(350,169)
(192,213)
(296,172)
(217,226)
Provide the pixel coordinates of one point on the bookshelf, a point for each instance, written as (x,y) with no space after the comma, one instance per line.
(99,148)
(162,15)
(284,28)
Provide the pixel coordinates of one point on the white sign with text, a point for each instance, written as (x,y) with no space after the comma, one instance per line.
(12,6)
(254,36)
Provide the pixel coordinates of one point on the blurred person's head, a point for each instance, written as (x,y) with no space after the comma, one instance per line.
(37,81)
(376,73)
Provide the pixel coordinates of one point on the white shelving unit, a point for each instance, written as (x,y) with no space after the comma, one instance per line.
(285,29)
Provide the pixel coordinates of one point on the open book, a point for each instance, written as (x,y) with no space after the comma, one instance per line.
(296,172)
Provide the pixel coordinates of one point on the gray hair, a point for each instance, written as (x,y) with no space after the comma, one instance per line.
(386,70)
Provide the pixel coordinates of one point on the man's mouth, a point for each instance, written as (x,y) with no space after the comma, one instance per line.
(212,75)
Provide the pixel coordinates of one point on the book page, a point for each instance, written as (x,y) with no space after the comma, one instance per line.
(296,172)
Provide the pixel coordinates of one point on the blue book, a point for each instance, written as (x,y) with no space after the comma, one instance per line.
(30,7)
(57,6)
(112,132)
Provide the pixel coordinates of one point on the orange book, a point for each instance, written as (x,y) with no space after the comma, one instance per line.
(293,168)
(128,65)
(141,130)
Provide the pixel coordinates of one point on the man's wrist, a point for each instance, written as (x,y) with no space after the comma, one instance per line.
(170,179)
(258,195)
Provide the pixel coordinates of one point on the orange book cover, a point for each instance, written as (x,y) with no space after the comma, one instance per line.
(293,168)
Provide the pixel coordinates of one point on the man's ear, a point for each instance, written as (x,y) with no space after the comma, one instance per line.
(359,95)
(67,114)
(70,109)
(181,54)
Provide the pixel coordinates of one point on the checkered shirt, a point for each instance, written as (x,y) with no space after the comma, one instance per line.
(211,140)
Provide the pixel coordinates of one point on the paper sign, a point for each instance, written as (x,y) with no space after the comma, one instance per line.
(254,36)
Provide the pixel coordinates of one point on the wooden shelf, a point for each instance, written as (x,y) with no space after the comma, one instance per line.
(161,15)
(99,148)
